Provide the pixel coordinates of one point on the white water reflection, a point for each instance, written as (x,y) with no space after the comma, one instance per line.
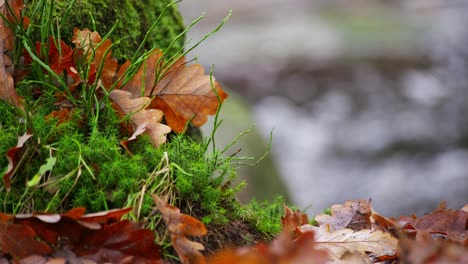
(372,103)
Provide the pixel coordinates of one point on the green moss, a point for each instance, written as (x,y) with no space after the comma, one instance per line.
(133,19)
(265,215)
(169,27)
(93,170)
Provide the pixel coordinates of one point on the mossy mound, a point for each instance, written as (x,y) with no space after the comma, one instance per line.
(133,19)
(94,171)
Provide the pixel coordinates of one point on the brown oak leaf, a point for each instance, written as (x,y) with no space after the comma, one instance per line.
(184,93)
(99,51)
(135,109)
(180,226)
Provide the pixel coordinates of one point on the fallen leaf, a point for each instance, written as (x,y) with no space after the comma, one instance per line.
(20,241)
(122,241)
(12,16)
(180,226)
(63,115)
(7,86)
(184,93)
(135,109)
(293,219)
(424,249)
(138,131)
(13,159)
(60,57)
(451,224)
(284,249)
(99,51)
(354,215)
(363,242)
(100,237)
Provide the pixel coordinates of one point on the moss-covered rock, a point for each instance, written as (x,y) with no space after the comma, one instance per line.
(134,18)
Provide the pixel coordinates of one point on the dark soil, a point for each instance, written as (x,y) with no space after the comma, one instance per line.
(235,233)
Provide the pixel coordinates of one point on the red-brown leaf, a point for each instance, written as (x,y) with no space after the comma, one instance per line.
(100,237)
(20,241)
(119,241)
(452,224)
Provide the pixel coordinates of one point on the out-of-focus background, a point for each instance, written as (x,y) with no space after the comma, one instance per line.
(367,98)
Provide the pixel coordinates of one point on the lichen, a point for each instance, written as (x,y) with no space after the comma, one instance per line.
(132,19)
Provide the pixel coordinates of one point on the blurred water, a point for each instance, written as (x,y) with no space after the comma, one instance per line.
(366,100)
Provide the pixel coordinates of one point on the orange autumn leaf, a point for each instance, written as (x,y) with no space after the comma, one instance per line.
(180,226)
(60,55)
(62,115)
(184,93)
(292,219)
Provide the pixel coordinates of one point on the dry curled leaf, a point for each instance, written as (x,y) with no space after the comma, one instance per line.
(135,109)
(12,156)
(138,131)
(180,226)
